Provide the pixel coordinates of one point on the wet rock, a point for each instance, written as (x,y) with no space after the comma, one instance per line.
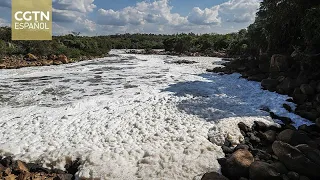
(311,115)
(293,137)
(318,122)
(304,178)
(280,167)
(293,175)
(285,120)
(311,153)
(279,63)
(269,84)
(259,126)
(269,135)
(299,98)
(307,89)
(238,164)
(263,171)
(287,107)
(227,150)
(243,127)
(213,176)
(241,146)
(294,160)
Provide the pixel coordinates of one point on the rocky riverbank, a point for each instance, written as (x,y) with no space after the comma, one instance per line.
(276,153)
(284,75)
(11,169)
(30,60)
(272,153)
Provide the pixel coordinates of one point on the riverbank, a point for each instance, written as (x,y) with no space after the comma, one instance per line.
(172,53)
(30,60)
(289,152)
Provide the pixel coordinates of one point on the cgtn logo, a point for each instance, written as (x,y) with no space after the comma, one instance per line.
(32,20)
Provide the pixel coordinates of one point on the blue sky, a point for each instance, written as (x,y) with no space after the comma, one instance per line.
(99,17)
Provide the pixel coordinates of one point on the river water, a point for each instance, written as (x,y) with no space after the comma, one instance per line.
(129,116)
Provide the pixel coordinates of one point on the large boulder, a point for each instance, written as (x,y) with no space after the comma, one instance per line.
(307,89)
(311,153)
(295,160)
(238,164)
(293,137)
(213,176)
(286,86)
(63,58)
(30,57)
(279,63)
(263,171)
(269,84)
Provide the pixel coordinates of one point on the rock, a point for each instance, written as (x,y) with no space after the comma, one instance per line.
(302,78)
(56,62)
(293,137)
(258,77)
(63,58)
(318,122)
(311,115)
(52,57)
(3,66)
(318,87)
(254,138)
(21,166)
(317,98)
(279,63)
(269,135)
(263,171)
(293,175)
(307,89)
(213,176)
(285,120)
(280,167)
(294,160)
(269,84)
(287,107)
(311,153)
(227,150)
(30,57)
(6,162)
(241,146)
(304,178)
(299,98)
(243,127)
(259,126)
(238,164)
(47,62)
(287,85)
(70,177)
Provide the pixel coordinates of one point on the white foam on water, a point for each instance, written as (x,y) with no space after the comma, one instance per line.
(129,116)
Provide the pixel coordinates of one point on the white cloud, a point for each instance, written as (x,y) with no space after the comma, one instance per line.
(157,12)
(239,11)
(205,17)
(147,16)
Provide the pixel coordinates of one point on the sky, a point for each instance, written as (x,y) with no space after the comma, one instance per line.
(104,17)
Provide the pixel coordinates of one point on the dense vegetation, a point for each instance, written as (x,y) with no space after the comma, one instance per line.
(283,26)
(71,45)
